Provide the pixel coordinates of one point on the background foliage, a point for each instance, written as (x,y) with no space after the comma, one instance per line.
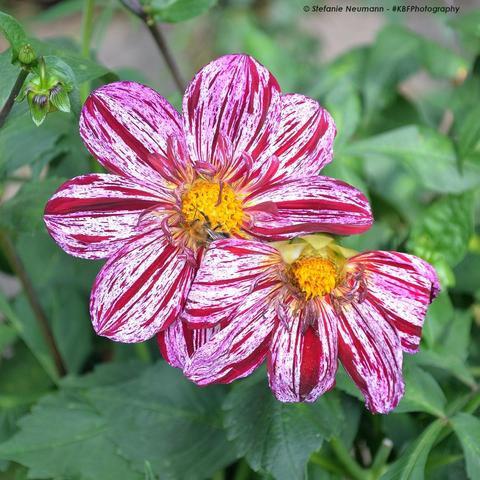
(120,412)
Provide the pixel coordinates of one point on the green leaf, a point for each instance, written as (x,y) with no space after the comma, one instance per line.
(8,77)
(165,413)
(43,143)
(429,155)
(14,33)
(422,393)
(468,132)
(275,437)
(173,11)
(8,335)
(440,315)
(411,463)
(343,103)
(442,235)
(467,428)
(64,437)
(27,328)
(24,212)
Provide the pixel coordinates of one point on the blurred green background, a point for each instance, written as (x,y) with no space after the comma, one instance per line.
(404,90)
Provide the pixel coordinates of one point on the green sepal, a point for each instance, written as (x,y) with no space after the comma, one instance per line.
(39,106)
(59,98)
(27,55)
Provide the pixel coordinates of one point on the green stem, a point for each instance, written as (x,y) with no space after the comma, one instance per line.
(161,42)
(137,9)
(17,266)
(13,94)
(87,30)
(242,472)
(351,466)
(143,352)
(381,457)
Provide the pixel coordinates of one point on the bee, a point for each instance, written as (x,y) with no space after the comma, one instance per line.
(212,233)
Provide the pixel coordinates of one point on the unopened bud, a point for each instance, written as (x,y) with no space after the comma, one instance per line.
(26,55)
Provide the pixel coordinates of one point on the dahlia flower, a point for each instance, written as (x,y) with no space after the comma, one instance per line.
(241,161)
(302,306)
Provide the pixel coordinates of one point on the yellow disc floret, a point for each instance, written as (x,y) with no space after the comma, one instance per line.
(314,276)
(213,205)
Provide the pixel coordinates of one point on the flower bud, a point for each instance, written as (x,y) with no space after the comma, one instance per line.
(26,55)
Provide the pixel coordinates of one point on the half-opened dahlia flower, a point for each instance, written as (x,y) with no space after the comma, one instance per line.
(302,306)
(241,161)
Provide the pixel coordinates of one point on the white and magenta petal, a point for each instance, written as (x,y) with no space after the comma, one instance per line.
(300,206)
(93,216)
(230,270)
(239,348)
(401,287)
(303,359)
(233,100)
(141,289)
(179,342)
(369,349)
(126,126)
(304,140)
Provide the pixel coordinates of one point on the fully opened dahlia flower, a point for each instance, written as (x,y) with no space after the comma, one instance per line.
(302,306)
(241,161)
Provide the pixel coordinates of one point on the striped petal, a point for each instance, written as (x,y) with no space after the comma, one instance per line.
(401,287)
(126,126)
(92,216)
(303,361)
(234,98)
(304,140)
(237,349)
(141,289)
(178,342)
(370,351)
(305,205)
(229,271)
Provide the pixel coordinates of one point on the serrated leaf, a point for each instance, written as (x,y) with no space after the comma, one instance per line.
(164,412)
(24,212)
(422,393)
(275,437)
(429,155)
(411,464)
(442,235)
(14,33)
(173,11)
(467,428)
(64,437)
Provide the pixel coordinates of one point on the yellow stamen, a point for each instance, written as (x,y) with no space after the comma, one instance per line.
(315,276)
(213,205)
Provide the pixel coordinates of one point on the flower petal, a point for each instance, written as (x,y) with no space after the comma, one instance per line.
(122,124)
(178,342)
(227,274)
(141,289)
(306,205)
(237,349)
(304,140)
(92,216)
(401,287)
(234,98)
(302,362)
(369,349)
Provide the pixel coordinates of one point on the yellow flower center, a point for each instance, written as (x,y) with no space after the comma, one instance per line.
(217,207)
(315,276)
